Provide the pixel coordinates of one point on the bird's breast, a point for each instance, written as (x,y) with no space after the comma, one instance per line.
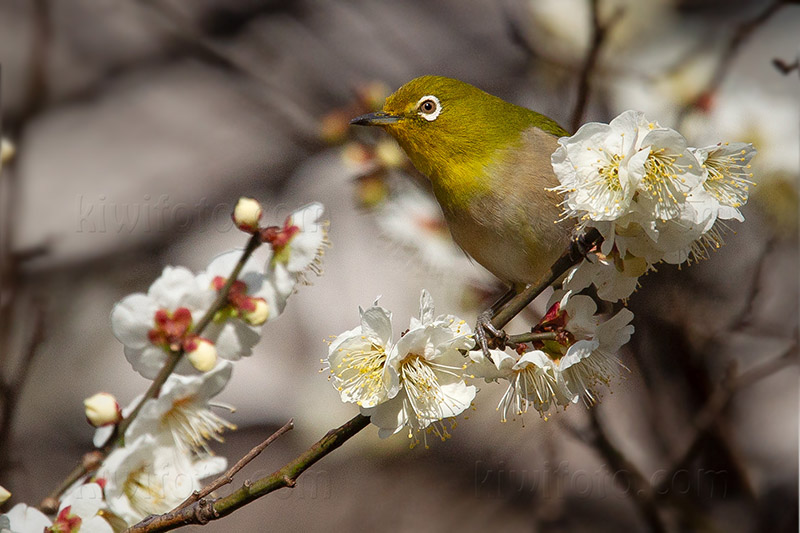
(508,220)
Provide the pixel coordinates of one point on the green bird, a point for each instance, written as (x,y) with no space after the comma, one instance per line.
(489,165)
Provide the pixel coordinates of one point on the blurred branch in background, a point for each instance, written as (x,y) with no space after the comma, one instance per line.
(738,38)
(19,307)
(600,31)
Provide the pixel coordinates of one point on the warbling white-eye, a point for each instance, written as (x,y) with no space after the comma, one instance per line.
(489,164)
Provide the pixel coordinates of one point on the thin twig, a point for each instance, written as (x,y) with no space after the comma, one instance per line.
(204,510)
(599,33)
(530,337)
(12,389)
(718,402)
(786,68)
(626,473)
(739,36)
(227,477)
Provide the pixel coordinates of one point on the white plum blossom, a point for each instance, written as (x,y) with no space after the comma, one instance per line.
(651,196)
(429,365)
(357,360)
(182,412)
(252,300)
(79,510)
(593,360)
(599,167)
(533,379)
(23,518)
(615,278)
(152,324)
(671,172)
(415,382)
(580,353)
(728,175)
(149,476)
(299,245)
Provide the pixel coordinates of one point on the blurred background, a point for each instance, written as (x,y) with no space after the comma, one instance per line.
(138,125)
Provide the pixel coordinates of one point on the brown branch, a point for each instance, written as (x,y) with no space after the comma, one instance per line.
(739,36)
(786,68)
(529,337)
(599,34)
(625,473)
(227,477)
(11,390)
(576,252)
(719,401)
(204,510)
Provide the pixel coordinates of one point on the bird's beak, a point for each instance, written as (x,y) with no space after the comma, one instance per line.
(375,119)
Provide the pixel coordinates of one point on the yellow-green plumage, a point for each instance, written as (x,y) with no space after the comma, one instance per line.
(489,164)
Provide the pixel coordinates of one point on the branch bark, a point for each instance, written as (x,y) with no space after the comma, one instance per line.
(204,510)
(227,477)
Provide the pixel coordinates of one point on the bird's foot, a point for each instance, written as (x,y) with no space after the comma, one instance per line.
(582,242)
(487,335)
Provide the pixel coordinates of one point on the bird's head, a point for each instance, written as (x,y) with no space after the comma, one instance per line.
(446,125)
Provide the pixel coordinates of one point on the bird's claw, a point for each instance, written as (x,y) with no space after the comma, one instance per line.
(580,247)
(487,335)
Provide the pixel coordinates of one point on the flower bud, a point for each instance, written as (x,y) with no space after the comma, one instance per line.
(247,214)
(4,494)
(202,354)
(7,151)
(259,314)
(102,409)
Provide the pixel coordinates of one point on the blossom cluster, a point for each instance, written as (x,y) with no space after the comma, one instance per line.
(577,351)
(202,322)
(415,382)
(651,196)
(423,378)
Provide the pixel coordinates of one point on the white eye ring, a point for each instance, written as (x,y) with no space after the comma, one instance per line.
(429,115)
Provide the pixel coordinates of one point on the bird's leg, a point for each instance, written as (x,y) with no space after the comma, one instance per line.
(484,327)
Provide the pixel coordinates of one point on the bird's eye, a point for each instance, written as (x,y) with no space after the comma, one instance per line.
(429,107)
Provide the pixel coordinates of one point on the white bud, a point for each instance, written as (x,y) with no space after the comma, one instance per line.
(4,494)
(247,214)
(202,354)
(259,315)
(389,153)
(102,409)
(7,151)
